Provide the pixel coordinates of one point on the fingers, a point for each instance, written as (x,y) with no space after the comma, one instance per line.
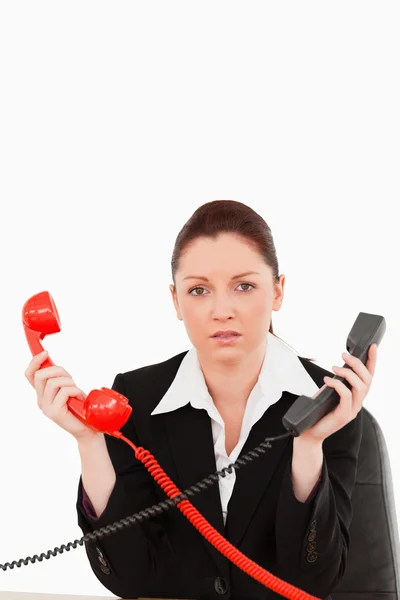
(345,408)
(357,384)
(52,387)
(365,372)
(351,401)
(44,375)
(54,409)
(38,377)
(34,365)
(319,391)
(372,358)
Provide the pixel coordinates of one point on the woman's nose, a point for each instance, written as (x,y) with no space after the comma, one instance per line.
(222,306)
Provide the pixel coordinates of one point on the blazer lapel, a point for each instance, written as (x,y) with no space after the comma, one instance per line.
(190,437)
(253,478)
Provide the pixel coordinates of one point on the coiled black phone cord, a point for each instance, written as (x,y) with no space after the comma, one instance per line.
(152,511)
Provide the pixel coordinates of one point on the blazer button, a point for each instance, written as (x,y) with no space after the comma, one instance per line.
(312,557)
(311,547)
(312,536)
(220,585)
(105,569)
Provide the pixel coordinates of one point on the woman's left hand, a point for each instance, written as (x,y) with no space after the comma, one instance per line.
(360,379)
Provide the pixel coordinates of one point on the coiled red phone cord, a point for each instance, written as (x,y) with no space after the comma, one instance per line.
(212,535)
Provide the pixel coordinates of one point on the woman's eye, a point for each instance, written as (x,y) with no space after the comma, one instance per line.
(202,289)
(196,288)
(248,284)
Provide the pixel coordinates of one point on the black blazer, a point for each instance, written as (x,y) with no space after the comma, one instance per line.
(305,544)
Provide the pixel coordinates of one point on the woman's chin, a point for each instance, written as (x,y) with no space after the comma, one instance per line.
(227,353)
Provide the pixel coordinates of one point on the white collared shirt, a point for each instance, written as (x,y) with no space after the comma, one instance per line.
(281,371)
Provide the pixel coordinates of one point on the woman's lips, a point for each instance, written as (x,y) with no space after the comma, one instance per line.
(224,340)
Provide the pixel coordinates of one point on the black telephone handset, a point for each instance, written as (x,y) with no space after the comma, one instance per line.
(368,329)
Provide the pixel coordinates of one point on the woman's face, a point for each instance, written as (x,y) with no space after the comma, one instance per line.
(209,296)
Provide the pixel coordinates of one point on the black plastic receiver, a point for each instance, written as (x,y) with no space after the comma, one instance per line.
(368,329)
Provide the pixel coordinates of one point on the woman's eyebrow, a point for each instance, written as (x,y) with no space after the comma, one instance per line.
(234,277)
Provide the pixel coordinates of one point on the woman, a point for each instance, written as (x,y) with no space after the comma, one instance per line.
(289,510)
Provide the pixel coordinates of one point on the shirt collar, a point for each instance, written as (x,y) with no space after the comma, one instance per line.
(281,371)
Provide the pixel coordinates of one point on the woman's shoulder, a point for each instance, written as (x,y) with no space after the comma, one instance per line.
(164,367)
(144,385)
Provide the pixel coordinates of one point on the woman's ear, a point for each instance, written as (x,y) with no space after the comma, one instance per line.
(279,293)
(175,301)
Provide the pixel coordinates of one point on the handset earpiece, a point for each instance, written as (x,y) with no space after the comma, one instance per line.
(367,329)
(104,410)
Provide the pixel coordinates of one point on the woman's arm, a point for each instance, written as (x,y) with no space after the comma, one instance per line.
(98,474)
(312,537)
(307,462)
(137,554)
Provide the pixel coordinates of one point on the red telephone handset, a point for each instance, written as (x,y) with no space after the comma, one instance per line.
(104,410)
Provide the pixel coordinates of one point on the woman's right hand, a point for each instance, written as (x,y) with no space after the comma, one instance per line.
(53,387)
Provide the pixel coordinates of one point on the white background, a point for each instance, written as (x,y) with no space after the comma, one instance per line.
(119,119)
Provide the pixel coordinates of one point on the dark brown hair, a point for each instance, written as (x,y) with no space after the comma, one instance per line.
(228,216)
